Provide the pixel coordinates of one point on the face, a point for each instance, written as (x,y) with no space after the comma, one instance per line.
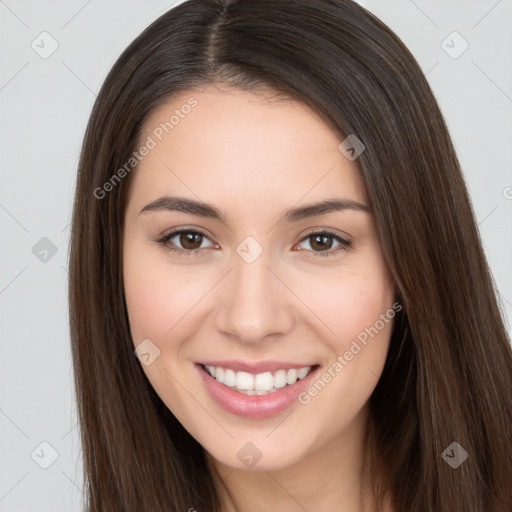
(255,288)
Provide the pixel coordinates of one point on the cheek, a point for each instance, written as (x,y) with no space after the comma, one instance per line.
(149,303)
(158,295)
(158,298)
(348,304)
(359,311)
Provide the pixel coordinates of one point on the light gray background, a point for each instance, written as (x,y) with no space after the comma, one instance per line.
(44,107)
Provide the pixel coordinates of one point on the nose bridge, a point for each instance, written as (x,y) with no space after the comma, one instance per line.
(252,305)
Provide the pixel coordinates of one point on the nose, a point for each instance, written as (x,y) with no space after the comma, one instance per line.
(254,303)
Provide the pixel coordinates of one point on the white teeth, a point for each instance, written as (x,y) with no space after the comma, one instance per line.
(229,378)
(259,384)
(264,381)
(280,379)
(302,373)
(291,376)
(244,380)
(219,374)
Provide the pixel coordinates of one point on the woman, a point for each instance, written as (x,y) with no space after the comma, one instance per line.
(270,212)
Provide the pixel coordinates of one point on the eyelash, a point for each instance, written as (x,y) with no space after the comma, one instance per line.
(345,245)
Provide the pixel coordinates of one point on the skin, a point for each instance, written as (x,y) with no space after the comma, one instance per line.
(255,157)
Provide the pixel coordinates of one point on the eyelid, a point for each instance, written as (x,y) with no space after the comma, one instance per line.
(187,229)
(319,229)
(176,231)
(345,242)
(309,231)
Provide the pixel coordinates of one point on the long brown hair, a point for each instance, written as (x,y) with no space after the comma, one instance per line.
(448,374)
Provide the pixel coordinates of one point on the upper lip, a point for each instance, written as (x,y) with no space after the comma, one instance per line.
(256,367)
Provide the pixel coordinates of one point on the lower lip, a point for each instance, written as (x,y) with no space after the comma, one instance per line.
(255,406)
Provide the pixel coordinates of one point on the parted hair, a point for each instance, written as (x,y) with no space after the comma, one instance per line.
(448,372)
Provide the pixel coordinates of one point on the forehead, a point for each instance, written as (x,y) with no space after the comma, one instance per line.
(238,146)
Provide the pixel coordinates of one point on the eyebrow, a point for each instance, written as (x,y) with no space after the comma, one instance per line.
(182,204)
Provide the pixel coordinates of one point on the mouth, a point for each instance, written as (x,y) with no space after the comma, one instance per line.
(256,395)
(263,383)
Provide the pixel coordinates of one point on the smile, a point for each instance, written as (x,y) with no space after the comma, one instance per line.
(258,384)
(255,394)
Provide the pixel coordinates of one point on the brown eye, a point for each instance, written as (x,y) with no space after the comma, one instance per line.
(321,243)
(190,241)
